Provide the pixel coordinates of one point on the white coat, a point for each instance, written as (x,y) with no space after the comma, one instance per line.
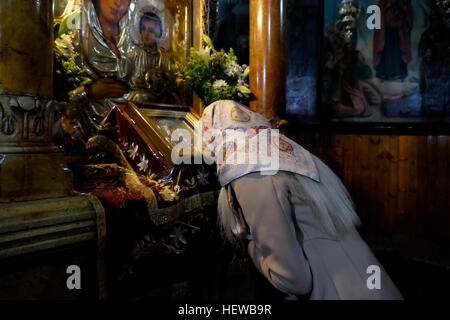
(307,260)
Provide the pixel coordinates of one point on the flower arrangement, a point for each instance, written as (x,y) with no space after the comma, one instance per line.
(215,75)
(66,74)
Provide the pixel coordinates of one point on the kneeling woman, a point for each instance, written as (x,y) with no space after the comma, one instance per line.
(299,220)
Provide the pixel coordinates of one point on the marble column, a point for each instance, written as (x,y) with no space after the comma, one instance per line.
(268,57)
(30,165)
(38,211)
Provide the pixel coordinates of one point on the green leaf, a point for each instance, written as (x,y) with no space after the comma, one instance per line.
(208,42)
(246,73)
(56,31)
(68,23)
(244,90)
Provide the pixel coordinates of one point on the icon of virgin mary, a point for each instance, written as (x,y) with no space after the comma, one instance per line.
(103,43)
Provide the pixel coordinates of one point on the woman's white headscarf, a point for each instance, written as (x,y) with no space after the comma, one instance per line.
(241,141)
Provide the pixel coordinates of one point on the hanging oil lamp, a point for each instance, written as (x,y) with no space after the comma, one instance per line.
(347,23)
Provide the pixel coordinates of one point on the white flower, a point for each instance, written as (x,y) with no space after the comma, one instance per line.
(219,85)
(143,165)
(233,69)
(204,53)
(133,151)
(202,177)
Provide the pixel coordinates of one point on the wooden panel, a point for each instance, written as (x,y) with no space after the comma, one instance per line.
(364,183)
(392,199)
(403,218)
(422,187)
(442,186)
(400,184)
(412,186)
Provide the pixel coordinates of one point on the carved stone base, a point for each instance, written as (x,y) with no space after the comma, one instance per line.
(31,176)
(32,229)
(31,166)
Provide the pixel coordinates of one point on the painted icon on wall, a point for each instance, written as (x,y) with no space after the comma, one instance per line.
(303,52)
(397,73)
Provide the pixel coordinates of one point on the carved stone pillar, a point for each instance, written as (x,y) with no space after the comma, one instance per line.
(268,57)
(38,211)
(30,164)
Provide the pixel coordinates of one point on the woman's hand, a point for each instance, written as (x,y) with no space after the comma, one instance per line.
(106,88)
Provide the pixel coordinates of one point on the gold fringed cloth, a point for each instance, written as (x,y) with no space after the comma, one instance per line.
(169,192)
(154,212)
